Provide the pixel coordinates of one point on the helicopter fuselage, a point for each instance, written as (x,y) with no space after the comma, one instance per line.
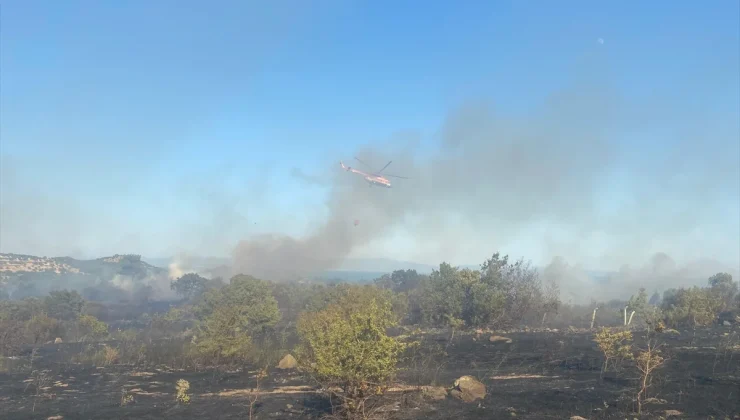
(372,179)
(378,181)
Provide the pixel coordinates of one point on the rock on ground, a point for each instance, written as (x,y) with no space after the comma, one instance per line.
(288,362)
(434,392)
(499,339)
(468,389)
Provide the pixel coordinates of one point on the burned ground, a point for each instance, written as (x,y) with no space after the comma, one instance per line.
(539,375)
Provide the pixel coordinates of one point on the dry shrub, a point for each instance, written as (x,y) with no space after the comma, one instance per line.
(262,374)
(98,357)
(126,398)
(616,345)
(11,337)
(110,355)
(181,391)
(647,362)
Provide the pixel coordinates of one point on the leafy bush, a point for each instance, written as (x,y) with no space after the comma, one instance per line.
(345,344)
(11,337)
(41,328)
(189,285)
(639,304)
(443,296)
(723,289)
(230,316)
(501,294)
(110,355)
(483,305)
(251,297)
(64,305)
(691,307)
(223,336)
(92,328)
(181,391)
(616,345)
(519,282)
(400,281)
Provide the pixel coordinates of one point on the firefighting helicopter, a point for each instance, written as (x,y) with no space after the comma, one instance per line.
(372,178)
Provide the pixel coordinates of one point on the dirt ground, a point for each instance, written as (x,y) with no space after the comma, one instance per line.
(539,375)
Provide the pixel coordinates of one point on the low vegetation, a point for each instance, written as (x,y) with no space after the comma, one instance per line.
(361,344)
(616,346)
(345,345)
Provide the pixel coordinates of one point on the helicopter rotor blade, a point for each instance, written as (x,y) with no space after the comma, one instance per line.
(358,159)
(386,165)
(396,176)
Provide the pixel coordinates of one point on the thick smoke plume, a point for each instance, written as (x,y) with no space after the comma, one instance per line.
(501,175)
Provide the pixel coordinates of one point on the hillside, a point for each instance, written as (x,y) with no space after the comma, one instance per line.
(28,275)
(17,263)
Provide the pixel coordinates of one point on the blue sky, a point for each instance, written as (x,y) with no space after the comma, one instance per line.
(150,127)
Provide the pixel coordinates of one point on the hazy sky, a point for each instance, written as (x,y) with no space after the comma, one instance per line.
(159,127)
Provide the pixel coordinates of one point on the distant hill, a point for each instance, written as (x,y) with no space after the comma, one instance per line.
(64,271)
(382,265)
(205,265)
(190,262)
(350,276)
(28,275)
(351,269)
(127,278)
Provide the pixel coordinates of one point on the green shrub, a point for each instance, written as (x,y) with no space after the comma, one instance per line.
(11,337)
(251,297)
(229,317)
(64,305)
(224,337)
(691,307)
(346,345)
(41,328)
(616,345)
(92,328)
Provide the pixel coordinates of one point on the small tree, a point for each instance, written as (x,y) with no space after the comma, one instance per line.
(64,305)
(639,304)
(261,374)
(11,337)
(483,305)
(647,362)
(92,328)
(519,282)
(723,289)
(251,296)
(346,345)
(41,328)
(231,316)
(550,299)
(655,299)
(443,296)
(223,336)
(691,307)
(399,280)
(189,285)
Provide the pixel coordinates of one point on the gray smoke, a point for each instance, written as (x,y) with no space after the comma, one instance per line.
(502,174)
(657,274)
